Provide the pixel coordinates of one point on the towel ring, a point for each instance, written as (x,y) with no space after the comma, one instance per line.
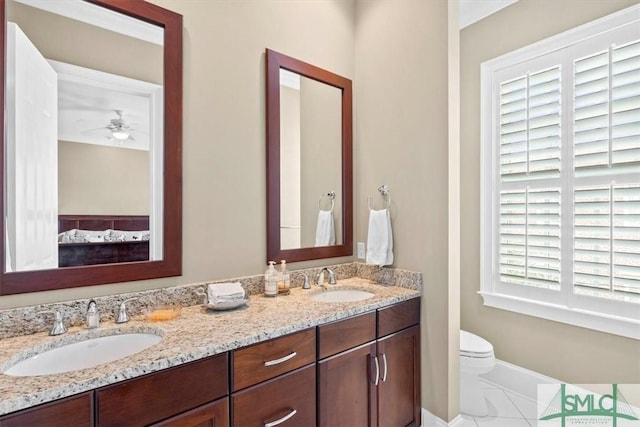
(384,192)
(331,195)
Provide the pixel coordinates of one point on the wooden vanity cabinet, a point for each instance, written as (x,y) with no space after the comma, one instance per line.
(70,411)
(377,381)
(367,374)
(183,391)
(274,382)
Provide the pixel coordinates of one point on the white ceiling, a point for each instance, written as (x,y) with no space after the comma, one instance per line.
(88,101)
(471,11)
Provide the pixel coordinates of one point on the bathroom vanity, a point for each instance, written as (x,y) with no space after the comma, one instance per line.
(335,364)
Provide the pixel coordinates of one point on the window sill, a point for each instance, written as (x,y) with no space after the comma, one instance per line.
(577,317)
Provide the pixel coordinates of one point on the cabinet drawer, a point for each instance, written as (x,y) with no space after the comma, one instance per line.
(269,359)
(345,334)
(160,395)
(290,398)
(215,414)
(398,316)
(70,411)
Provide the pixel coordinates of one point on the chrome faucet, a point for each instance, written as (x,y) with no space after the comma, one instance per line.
(58,325)
(320,276)
(93,317)
(123,317)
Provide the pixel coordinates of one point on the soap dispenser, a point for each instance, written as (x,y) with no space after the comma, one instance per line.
(284,282)
(271,281)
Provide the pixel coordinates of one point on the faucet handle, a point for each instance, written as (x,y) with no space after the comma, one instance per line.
(332,277)
(58,324)
(320,278)
(123,317)
(306,284)
(58,327)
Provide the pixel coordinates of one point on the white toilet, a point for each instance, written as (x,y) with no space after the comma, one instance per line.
(476,357)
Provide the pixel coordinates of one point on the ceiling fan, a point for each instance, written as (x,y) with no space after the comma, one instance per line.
(120,130)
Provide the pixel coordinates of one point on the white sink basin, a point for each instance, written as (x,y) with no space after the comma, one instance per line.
(83,354)
(342,295)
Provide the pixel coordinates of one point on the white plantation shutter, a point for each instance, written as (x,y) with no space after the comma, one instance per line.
(607,240)
(530,126)
(530,237)
(606,141)
(530,132)
(607,109)
(625,96)
(561,178)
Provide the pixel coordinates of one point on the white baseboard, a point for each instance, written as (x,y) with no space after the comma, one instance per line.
(430,420)
(518,379)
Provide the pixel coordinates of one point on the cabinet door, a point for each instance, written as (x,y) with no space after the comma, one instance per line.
(215,414)
(399,386)
(346,388)
(286,401)
(70,411)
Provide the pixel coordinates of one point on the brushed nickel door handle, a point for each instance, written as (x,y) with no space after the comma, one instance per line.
(280,360)
(281,420)
(375,359)
(384,372)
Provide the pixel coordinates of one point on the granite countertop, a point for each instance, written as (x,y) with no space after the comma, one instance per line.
(197,333)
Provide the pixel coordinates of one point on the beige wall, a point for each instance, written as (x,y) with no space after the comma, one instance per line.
(401,140)
(568,353)
(96,179)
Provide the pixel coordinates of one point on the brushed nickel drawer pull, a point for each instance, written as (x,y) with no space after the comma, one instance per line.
(384,373)
(281,420)
(281,360)
(375,359)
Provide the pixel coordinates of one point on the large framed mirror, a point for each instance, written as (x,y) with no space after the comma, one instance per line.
(92,147)
(309,161)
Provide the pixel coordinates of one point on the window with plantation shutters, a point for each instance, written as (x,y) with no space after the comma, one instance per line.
(561,177)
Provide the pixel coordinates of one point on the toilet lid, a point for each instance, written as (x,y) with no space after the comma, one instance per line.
(474,346)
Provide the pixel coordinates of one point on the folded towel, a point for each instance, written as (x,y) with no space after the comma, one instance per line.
(380,238)
(219,292)
(325,232)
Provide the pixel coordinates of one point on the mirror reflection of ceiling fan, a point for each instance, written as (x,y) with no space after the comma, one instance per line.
(119,129)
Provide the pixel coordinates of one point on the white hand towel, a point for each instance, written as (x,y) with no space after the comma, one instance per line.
(219,292)
(380,238)
(325,232)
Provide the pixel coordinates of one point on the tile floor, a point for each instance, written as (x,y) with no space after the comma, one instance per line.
(506,409)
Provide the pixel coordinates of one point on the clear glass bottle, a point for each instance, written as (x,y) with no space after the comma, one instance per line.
(271,281)
(284,280)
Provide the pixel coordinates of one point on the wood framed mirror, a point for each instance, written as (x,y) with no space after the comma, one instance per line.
(309,161)
(131,22)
